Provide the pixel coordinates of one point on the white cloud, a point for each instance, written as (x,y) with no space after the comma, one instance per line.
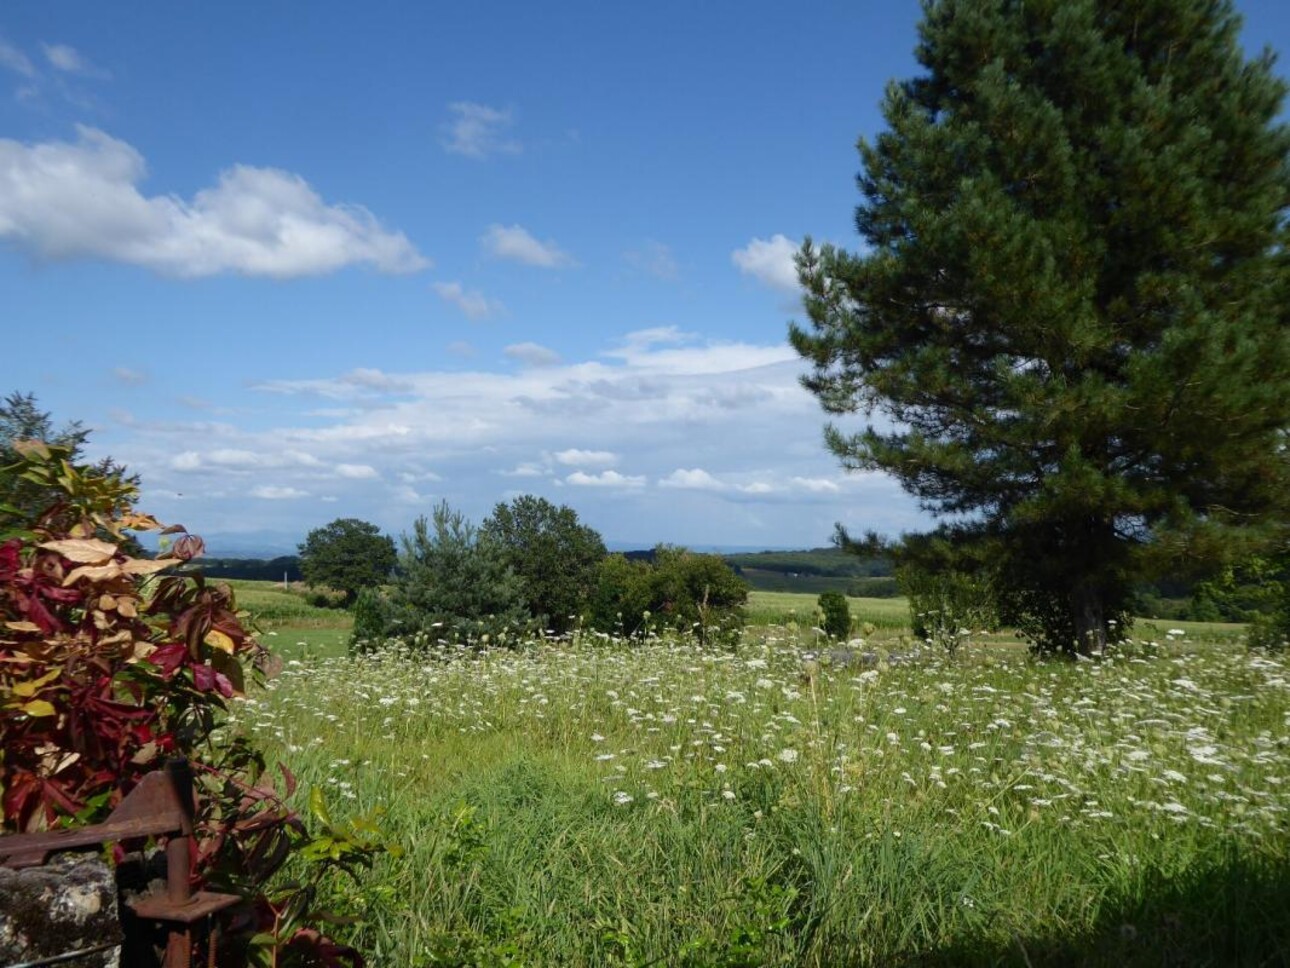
(526,469)
(478,131)
(573,457)
(269,492)
(654,258)
(673,438)
(357,472)
(472,302)
(532,354)
(242,460)
(815,485)
(605,479)
(770,261)
(189,460)
(129,376)
(11,58)
(693,479)
(369,378)
(514,242)
(62,200)
(68,59)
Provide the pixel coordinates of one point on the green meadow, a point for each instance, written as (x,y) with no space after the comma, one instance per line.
(596,802)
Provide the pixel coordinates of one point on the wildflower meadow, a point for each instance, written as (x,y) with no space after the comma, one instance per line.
(590,801)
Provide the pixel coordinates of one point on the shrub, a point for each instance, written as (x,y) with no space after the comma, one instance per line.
(371,619)
(945,605)
(836,614)
(108,667)
(679,591)
(453,583)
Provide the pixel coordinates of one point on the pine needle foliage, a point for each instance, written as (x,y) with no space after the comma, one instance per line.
(1067,326)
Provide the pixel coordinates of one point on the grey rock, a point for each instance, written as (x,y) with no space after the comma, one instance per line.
(68,905)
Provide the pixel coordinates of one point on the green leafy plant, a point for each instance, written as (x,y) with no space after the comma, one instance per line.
(836,614)
(678,591)
(109,666)
(945,607)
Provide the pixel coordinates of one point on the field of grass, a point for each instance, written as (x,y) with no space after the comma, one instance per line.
(889,615)
(602,803)
(271,606)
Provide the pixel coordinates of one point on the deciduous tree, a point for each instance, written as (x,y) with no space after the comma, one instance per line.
(554,555)
(347,555)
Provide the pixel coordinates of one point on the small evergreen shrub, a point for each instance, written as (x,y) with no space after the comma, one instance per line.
(836,614)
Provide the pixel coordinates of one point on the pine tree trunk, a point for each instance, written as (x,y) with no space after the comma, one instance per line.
(1090,620)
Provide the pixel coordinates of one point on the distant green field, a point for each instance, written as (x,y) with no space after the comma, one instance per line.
(273,607)
(788,608)
(294,628)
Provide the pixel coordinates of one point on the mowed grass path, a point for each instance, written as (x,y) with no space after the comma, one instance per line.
(602,803)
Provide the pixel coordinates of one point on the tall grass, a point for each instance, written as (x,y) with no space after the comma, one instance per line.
(599,803)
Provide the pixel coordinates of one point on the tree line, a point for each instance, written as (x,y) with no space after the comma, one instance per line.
(530,567)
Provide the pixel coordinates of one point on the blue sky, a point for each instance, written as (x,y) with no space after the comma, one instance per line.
(295,262)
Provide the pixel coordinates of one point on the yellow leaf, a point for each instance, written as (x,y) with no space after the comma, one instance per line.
(32,448)
(93,572)
(144,566)
(84,551)
(23,626)
(25,689)
(38,707)
(107,603)
(139,522)
(218,640)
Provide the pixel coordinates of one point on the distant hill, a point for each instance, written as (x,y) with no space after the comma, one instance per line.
(816,570)
(808,571)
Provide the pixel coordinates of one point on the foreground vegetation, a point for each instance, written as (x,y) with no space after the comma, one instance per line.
(587,802)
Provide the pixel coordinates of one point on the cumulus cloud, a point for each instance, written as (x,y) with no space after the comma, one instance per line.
(473,303)
(694,479)
(654,258)
(605,479)
(68,200)
(770,261)
(242,460)
(532,354)
(515,243)
(270,492)
(643,443)
(129,376)
(478,131)
(573,457)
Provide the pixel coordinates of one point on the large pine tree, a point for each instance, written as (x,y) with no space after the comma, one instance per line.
(1070,312)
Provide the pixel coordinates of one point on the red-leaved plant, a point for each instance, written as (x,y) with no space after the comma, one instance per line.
(108,666)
